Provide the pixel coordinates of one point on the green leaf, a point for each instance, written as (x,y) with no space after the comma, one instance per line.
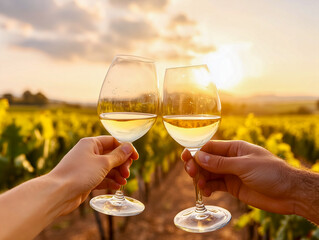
(315,234)
(132,185)
(11,135)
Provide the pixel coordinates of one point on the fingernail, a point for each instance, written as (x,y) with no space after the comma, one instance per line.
(203,157)
(127,148)
(134,148)
(187,168)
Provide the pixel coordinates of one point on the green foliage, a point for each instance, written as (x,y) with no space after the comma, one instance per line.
(32,142)
(293,227)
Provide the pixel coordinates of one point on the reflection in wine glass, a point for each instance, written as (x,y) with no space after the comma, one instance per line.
(127,108)
(192,114)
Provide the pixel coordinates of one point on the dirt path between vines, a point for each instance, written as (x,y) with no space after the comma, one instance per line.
(156,222)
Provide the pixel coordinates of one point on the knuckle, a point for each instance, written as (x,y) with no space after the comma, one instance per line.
(238,147)
(107,163)
(240,143)
(218,162)
(107,167)
(121,155)
(117,156)
(86,140)
(106,158)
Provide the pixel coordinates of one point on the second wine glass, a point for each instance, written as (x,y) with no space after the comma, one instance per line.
(127,108)
(191,114)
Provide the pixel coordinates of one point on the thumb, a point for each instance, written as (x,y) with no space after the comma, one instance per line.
(219,164)
(119,155)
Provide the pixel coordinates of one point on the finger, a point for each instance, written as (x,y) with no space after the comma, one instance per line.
(206,192)
(118,156)
(111,173)
(212,176)
(213,186)
(206,176)
(134,155)
(186,155)
(107,143)
(116,176)
(108,183)
(191,168)
(125,168)
(201,181)
(220,164)
(224,148)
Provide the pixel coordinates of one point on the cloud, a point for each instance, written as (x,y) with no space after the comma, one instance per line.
(181,20)
(70,49)
(203,49)
(175,55)
(188,44)
(133,29)
(123,36)
(47,15)
(181,34)
(54,27)
(118,42)
(5,25)
(150,5)
(64,49)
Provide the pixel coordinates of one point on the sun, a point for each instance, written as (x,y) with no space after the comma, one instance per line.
(226,66)
(202,76)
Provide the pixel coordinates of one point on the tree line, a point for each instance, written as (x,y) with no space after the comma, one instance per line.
(27,98)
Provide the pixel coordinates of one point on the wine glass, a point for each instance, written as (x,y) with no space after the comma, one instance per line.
(191,115)
(127,108)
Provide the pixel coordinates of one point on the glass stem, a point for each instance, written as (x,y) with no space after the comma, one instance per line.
(200,207)
(119,195)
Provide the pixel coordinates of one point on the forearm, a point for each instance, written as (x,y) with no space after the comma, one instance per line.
(30,207)
(307,195)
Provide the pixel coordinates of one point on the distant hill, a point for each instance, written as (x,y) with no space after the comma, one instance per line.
(268,98)
(276,98)
(231,103)
(269,104)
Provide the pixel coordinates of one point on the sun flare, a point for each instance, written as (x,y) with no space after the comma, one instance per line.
(226,66)
(202,77)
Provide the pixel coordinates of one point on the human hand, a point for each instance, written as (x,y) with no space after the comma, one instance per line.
(93,163)
(248,172)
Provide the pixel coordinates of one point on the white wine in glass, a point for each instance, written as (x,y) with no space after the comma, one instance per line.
(127,126)
(127,108)
(191,115)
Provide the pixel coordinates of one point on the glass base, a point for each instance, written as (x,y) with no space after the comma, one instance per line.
(110,205)
(199,222)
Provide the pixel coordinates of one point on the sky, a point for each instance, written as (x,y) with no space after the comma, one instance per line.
(63,48)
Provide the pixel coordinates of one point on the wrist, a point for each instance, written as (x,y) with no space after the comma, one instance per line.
(306,195)
(56,194)
(59,192)
(298,194)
